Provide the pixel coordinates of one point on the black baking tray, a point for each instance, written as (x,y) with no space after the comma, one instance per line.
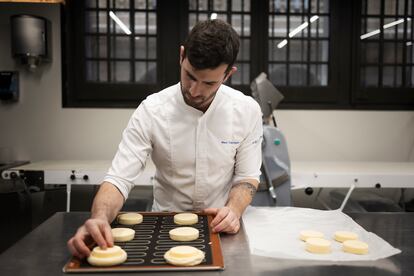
(151,241)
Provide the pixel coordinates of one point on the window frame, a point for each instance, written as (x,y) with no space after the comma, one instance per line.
(343,90)
(376,98)
(321,97)
(77,92)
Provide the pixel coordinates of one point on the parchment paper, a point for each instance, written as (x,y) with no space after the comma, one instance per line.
(274,232)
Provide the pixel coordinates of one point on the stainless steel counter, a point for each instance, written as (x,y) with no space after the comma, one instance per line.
(44,252)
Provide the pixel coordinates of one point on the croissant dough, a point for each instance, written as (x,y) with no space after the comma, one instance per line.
(342,236)
(123,234)
(318,245)
(305,234)
(185,219)
(184,234)
(355,247)
(107,257)
(184,255)
(130,218)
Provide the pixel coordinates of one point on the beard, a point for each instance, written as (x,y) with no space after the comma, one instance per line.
(200,102)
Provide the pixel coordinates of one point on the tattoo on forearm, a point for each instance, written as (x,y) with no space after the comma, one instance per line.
(248,186)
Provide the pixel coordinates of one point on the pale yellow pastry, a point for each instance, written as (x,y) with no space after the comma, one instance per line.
(130,218)
(305,234)
(318,245)
(185,219)
(342,236)
(184,255)
(184,234)
(107,257)
(123,234)
(355,247)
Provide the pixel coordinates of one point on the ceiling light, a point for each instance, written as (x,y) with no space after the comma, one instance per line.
(314,18)
(386,26)
(297,30)
(120,23)
(370,34)
(282,43)
(389,25)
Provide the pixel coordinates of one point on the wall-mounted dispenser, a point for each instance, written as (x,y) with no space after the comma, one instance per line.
(31,39)
(9,86)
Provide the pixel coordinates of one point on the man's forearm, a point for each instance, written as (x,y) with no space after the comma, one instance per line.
(241,194)
(107,203)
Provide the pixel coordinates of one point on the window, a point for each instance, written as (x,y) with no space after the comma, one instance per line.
(386,61)
(299,43)
(115,55)
(342,54)
(120,42)
(385,38)
(304,52)
(320,53)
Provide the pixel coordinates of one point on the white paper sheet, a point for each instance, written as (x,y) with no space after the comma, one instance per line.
(274,232)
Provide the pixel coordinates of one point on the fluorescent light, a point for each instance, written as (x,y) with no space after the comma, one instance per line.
(370,34)
(409,43)
(213,16)
(120,23)
(282,43)
(389,25)
(298,29)
(386,26)
(303,26)
(314,18)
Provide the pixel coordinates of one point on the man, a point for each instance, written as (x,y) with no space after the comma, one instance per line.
(203,137)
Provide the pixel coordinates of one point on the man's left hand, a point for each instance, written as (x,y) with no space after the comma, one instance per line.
(225,220)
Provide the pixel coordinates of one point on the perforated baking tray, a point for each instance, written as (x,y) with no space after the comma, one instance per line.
(151,241)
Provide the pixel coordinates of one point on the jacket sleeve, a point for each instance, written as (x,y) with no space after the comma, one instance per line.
(133,151)
(249,153)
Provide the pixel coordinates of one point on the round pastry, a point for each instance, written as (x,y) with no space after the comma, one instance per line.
(355,247)
(318,245)
(184,234)
(130,218)
(305,234)
(107,257)
(185,219)
(184,255)
(123,234)
(342,236)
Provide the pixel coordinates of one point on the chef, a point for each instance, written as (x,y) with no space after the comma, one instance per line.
(203,137)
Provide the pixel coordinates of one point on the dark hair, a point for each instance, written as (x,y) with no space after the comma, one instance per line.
(210,44)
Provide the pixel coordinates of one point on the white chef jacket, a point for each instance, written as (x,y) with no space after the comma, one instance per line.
(198,156)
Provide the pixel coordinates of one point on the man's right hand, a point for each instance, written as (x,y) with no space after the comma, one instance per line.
(94,229)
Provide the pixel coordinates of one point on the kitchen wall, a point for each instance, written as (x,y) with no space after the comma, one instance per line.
(38,128)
